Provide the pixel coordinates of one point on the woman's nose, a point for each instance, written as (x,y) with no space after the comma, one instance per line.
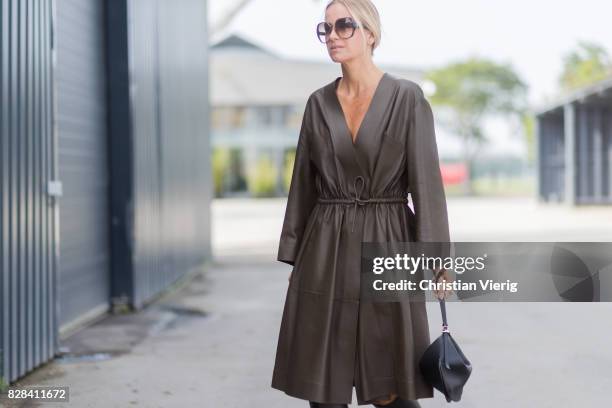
(333,35)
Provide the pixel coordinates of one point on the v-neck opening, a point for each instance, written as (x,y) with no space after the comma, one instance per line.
(365,116)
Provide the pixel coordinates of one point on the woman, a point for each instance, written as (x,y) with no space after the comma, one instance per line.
(366,140)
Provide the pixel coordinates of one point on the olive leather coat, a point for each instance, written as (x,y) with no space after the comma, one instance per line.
(329,341)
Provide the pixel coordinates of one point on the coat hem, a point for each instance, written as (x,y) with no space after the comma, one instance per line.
(304,390)
(406,390)
(313,391)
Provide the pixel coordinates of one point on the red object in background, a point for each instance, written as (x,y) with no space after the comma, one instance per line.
(453,173)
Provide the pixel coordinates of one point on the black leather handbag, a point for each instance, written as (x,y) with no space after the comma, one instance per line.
(444,365)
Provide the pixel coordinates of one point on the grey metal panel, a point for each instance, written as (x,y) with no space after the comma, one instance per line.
(557,172)
(121,151)
(84,277)
(28,314)
(607,172)
(598,154)
(148,214)
(172,188)
(591,158)
(582,152)
(551,156)
(539,155)
(569,126)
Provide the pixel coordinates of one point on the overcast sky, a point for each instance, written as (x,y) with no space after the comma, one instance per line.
(532,35)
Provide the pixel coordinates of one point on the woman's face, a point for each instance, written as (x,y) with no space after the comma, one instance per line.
(341,49)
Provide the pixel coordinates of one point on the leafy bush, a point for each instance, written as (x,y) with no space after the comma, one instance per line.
(262,178)
(288,169)
(220,168)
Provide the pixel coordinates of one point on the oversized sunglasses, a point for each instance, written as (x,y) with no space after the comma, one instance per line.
(345,28)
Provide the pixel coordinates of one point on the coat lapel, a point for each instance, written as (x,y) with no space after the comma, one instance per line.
(385,152)
(340,136)
(370,142)
(358,158)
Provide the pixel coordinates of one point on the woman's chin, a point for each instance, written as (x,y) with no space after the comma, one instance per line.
(338,58)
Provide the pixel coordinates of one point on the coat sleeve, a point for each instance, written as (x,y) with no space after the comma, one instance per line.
(424,175)
(302,195)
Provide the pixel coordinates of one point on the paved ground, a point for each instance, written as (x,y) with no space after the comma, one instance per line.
(212,342)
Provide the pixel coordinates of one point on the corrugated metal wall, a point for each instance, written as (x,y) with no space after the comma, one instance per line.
(551,160)
(593,149)
(575,153)
(157,132)
(28,314)
(84,270)
(168,69)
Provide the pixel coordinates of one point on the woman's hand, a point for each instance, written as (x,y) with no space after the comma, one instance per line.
(442,275)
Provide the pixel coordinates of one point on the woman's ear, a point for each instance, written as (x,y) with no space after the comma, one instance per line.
(371,39)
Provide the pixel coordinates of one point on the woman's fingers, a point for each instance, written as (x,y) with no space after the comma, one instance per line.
(443,293)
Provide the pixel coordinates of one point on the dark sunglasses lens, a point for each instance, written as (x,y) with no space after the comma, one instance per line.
(323,29)
(345,28)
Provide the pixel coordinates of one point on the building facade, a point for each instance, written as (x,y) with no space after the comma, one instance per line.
(105,166)
(574,147)
(257,102)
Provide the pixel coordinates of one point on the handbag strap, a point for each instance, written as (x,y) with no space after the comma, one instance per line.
(443,309)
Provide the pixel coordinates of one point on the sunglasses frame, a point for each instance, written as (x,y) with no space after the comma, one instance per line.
(326,26)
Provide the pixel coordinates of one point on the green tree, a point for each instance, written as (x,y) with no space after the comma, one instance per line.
(220,168)
(288,169)
(473,89)
(528,123)
(262,178)
(588,63)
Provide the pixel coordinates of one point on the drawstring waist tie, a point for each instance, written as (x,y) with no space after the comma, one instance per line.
(357,200)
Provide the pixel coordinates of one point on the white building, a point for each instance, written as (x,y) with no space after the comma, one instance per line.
(257,101)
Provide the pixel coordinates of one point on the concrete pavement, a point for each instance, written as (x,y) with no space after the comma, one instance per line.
(211,343)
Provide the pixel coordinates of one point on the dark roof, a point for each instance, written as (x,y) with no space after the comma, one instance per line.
(245,73)
(598,92)
(235,41)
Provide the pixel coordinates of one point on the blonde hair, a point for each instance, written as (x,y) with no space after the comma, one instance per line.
(365,14)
